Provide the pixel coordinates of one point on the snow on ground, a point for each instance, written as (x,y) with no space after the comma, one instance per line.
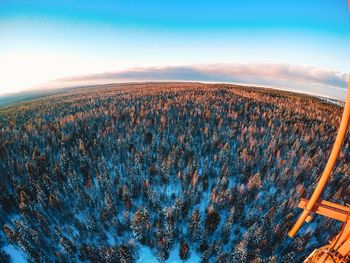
(174,256)
(146,256)
(110,239)
(16,255)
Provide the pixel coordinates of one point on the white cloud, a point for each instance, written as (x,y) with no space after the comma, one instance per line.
(299,78)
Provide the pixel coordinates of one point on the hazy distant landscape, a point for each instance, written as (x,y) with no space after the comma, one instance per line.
(187,171)
(14,98)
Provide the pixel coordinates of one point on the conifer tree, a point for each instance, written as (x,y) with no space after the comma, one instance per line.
(194,226)
(184,251)
(212,220)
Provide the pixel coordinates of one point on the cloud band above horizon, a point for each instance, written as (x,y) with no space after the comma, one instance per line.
(298,78)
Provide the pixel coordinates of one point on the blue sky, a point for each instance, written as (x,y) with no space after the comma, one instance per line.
(45,40)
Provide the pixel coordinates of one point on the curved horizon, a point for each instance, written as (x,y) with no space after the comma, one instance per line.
(44,41)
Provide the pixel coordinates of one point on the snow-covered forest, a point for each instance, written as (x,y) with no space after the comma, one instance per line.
(211,171)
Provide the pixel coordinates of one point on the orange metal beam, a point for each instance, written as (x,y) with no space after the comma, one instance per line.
(342,239)
(344,250)
(328,169)
(340,207)
(328,209)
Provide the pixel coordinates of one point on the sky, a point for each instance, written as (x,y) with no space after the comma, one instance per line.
(299,45)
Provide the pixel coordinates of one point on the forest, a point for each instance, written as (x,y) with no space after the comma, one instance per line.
(96,174)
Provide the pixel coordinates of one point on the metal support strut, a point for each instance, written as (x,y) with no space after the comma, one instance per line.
(328,169)
(338,249)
